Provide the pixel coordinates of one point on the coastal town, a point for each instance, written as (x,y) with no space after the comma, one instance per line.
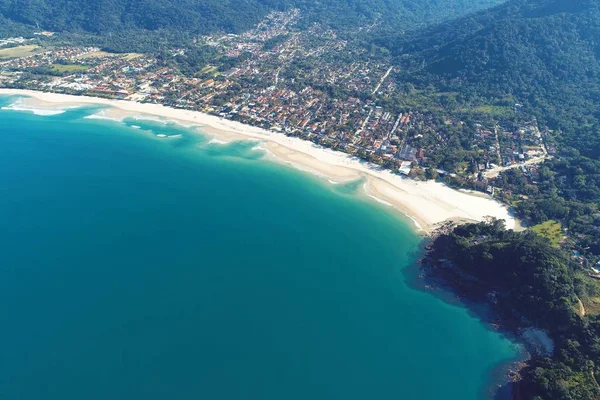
(378,147)
(306,83)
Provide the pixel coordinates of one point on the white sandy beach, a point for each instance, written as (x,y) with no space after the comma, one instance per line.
(426,203)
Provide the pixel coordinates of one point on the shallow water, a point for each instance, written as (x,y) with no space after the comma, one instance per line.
(134,266)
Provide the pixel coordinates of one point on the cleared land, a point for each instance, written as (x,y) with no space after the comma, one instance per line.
(208,69)
(104,54)
(551,230)
(494,110)
(69,68)
(98,54)
(19,51)
(590,293)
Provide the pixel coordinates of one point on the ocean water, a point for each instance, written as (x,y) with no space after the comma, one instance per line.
(134,266)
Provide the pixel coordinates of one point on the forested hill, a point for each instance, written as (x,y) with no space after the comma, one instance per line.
(117,15)
(543,53)
(204,16)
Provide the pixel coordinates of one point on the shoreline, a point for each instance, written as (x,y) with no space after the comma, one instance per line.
(448,287)
(426,204)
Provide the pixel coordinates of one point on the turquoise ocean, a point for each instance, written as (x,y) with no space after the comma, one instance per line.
(139,267)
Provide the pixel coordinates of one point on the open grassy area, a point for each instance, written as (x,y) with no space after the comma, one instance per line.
(552,230)
(97,54)
(19,51)
(592,305)
(588,290)
(131,56)
(69,68)
(489,110)
(462,167)
(208,69)
(493,109)
(447,94)
(105,54)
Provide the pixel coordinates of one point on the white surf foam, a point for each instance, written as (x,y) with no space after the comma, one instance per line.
(258,147)
(306,169)
(217,141)
(102,116)
(36,111)
(149,118)
(377,199)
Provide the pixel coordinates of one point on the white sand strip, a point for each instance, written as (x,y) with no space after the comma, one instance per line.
(426,203)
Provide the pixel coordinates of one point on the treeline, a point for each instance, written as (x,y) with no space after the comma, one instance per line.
(205,16)
(105,16)
(536,285)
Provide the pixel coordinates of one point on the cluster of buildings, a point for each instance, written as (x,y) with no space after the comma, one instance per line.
(302,82)
(44,58)
(523,143)
(274,25)
(14,41)
(509,148)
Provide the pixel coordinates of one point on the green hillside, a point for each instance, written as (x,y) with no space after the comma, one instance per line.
(542,53)
(202,16)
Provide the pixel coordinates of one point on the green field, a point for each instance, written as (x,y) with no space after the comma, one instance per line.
(208,69)
(551,230)
(98,54)
(588,292)
(68,68)
(19,51)
(489,110)
(493,109)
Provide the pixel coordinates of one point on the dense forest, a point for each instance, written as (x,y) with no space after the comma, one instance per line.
(530,283)
(205,16)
